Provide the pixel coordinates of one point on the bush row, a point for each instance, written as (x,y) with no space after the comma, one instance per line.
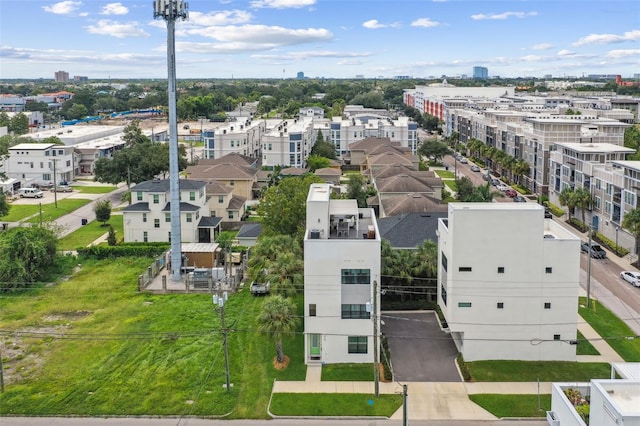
(124,250)
(611,245)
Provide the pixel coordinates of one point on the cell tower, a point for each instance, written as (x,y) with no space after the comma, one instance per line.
(171,11)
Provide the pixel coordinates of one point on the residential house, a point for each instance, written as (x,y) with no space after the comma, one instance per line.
(248,234)
(408,231)
(329,175)
(148,217)
(341,280)
(508,282)
(41,163)
(233,170)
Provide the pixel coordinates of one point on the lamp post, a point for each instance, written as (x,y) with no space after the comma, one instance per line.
(617,229)
(171,11)
(218,304)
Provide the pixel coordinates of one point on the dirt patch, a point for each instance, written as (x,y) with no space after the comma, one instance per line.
(281,365)
(67,316)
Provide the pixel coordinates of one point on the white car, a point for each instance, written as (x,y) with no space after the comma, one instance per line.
(631,277)
(503,187)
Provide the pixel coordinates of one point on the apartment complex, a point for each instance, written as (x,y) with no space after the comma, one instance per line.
(61,76)
(341,280)
(241,137)
(508,282)
(345,132)
(289,144)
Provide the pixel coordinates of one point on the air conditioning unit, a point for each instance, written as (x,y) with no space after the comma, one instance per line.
(314,234)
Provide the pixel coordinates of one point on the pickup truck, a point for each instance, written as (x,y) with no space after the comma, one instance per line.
(259,289)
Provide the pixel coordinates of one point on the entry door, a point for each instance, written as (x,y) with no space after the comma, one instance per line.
(314,346)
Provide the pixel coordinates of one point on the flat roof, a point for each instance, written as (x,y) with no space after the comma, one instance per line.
(594,147)
(33,146)
(495,206)
(319,192)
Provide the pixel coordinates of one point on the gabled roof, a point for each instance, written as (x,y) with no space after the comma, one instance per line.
(370,143)
(389,158)
(216,188)
(397,169)
(410,230)
(222,171)
(232,157)
(411,203)
(292,171)
(184,207)
(137,207)
(236,202)
(209,222)
(162,185)
(405,183)
(328,171)
(250,230)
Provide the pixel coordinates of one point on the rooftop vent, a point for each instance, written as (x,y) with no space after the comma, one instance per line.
(314,234)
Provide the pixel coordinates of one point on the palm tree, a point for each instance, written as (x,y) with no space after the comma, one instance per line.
(631,223)
(566,199)
(278,317)
(520,168)
(582,199)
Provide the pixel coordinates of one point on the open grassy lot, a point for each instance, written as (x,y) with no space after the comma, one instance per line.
(348,372)
(91,232)
(445,174)
(513,405)
(94,346)
(19,212)
(614,330)
(531,371)
(94,189)
(328,404)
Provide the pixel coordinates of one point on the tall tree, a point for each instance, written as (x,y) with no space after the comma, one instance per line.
(433,148)
(631,222)
(357,189)
(582,199)
(19,124)
(315,162)
(26,253)
(278,317)
(566,199)
(4,205)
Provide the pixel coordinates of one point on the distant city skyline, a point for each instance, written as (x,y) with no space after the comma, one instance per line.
(321,38)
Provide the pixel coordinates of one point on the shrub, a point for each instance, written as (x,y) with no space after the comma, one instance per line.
(386,356)
(611,245)
(555,210)
(522,189)
(464,370)
(576,223)
(125,250)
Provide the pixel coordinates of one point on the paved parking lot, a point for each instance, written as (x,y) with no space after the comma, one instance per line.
(420,350)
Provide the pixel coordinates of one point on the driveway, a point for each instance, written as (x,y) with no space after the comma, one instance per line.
(420,351)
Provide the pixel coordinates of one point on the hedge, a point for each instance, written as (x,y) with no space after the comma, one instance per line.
(124,250)
(611,245)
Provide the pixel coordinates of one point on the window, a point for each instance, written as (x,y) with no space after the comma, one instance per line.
(629,198)
(156,199)
(597,202)
(556,337)
(139,196)
(232,183)
(41,165)
(192,196)
(547,305)
(145,237)
(355,312)
(464,269)
(356,276)
(444,262)
(212,213)
(189,217)
(156,223)
(609,189)
(230,214)
(167,217)
(548,270)
(500,305)
(220,199)
(357,344)
(607,207)
(464,304)
(144,217)
(501,269)
(312,309)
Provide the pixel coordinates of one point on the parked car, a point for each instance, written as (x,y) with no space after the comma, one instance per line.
(511,193)
(62,188)
(485,177)
(30,193)
(464,160)
(632,277)
(475,168)
(519,199)
(502,187)
(596,251)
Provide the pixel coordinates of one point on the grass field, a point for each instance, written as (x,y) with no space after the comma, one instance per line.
(94,189)
(327,404)
(91,232)
(19,212)
(531,371)
(584,347)
(347,372)
(94,346)
(514,405)
(445,174)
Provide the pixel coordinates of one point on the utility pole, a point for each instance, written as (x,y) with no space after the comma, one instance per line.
(405,410)
(376,367)
(55,183)
(219,301)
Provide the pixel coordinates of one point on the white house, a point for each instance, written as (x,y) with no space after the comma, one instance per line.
(38,163)
(508,282)
(341,280)
(148,217)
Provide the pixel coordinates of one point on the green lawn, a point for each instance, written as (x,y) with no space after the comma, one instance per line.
(615,332)
(329,404)
(89,233)
(531,371)
(585,347)
(451,184)
(124,353)
(514,405)
(347,372)
(19,212)
(445,174)
(94,189)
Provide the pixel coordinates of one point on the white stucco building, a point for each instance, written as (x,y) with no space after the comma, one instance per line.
(345,132)
(508,282)
(289,144)
(41,163)
(341,279)
(241,136)
(148,217)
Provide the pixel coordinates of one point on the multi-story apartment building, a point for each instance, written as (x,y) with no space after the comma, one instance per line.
(61,76)
(341,280)
(148,217)
(41,163)
(508,282)
(345,132)
(240,137)
(289,144)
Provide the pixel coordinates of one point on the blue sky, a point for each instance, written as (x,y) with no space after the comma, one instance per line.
(322,38)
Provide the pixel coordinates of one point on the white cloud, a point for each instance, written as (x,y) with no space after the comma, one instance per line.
(227,17)
(608,38)
(114,9)
(373,24)
(254,37)
(622,53)
(542,46)
(301,55)
(425,22)
(63,7)
(503,15)
(565,52)
(282,4)
(116,29)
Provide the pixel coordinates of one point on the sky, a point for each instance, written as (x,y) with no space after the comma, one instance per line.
(321,38)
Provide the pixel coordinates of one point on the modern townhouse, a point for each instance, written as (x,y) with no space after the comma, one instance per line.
(148,217)
(289,144)
(241,136)
(345,132)
(41,163)
(79,133)
(508,282)
(341,280)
